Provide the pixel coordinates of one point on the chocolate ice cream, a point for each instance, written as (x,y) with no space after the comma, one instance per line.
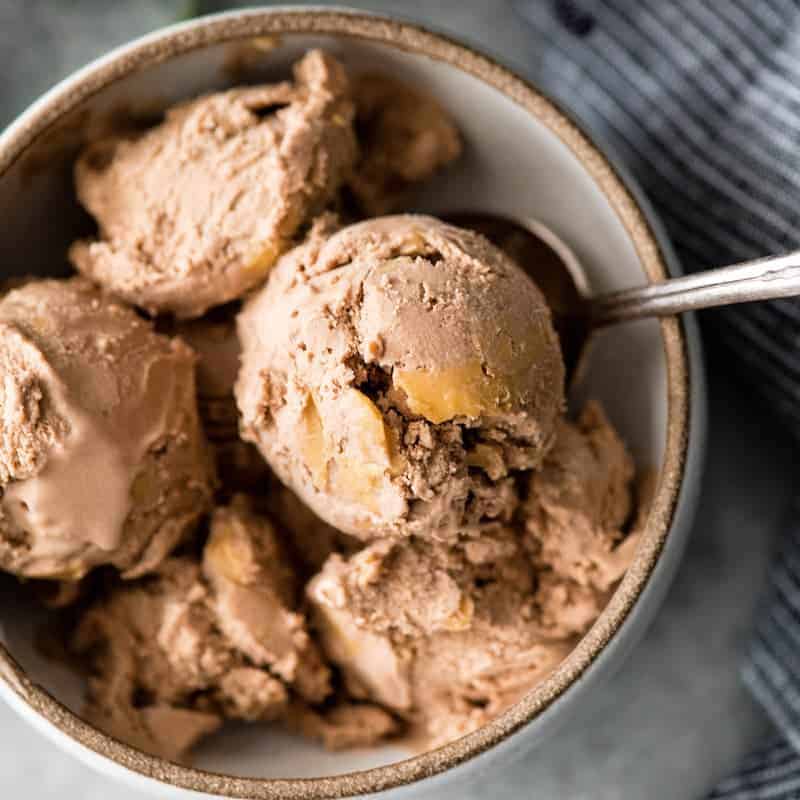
(431,535)
(344,724)
(449,635)
(176,653)
(396,374)
(404,136)
(102,460)
(194,212)
(240,467)
(310,539)
(579,503)
(213,337)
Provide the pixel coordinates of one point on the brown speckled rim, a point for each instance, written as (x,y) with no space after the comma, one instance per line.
(266,22)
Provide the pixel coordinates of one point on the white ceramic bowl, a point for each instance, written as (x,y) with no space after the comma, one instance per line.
(522,156)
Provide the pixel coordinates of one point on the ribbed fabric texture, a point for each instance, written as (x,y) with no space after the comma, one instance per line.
(701,100)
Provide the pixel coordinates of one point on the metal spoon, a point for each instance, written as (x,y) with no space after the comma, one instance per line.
(576,313)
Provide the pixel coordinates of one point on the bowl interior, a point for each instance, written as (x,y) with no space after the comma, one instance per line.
(513,163)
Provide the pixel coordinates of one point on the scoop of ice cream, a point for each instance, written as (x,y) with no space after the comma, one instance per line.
(254,594)
(397,373)
(450,634)
(579,502)
(194,212)
(102,459)
(405,137)
(423,630)
(196,644)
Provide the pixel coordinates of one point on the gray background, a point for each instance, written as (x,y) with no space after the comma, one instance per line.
(675,718)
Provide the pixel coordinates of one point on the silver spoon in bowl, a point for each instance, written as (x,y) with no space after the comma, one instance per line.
(577,313)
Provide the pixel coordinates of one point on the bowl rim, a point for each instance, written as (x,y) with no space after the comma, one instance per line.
(633,214)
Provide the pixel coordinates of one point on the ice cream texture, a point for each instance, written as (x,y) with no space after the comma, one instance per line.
(102,459)
(193,212)
(197,643)
(397,373)
(405,138)
(448,635)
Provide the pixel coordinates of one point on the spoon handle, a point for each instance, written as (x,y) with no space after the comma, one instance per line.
(761,279)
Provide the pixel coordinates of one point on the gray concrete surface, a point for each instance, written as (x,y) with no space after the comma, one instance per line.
(676,716)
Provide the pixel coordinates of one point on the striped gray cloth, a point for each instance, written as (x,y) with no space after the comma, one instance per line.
(701,100)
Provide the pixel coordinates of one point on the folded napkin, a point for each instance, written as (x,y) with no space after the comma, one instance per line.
(702,102)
